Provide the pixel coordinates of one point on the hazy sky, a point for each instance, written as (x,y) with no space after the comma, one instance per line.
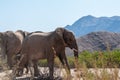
(46,15)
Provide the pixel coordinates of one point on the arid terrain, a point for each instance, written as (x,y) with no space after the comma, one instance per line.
(82,74)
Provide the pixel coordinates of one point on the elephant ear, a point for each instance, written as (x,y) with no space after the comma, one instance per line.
(60,31)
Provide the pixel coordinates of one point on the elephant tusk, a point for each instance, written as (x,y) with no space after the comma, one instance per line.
(75,49)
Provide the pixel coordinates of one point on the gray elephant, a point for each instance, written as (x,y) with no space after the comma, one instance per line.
(11,44)
(18,57)
(45,46)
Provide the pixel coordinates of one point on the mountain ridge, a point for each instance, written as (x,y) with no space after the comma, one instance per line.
(87,24)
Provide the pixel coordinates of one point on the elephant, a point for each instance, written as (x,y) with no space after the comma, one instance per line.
(46,45)
(18,56)
(10,45)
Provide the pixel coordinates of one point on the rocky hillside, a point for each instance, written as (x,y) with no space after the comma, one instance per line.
(90,23)
(96,41)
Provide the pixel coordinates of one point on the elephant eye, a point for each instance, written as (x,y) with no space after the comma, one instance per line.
(70,40)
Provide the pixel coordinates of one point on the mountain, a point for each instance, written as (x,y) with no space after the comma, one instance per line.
(97,41)
(90,23)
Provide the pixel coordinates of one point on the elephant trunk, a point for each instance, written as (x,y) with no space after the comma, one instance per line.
(75,50)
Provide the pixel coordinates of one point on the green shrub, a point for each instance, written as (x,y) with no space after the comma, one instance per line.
(100,59)
(42,63)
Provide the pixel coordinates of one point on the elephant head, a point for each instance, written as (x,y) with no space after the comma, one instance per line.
(69,40)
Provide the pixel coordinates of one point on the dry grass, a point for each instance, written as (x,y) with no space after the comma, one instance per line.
(5,72)
(81,72)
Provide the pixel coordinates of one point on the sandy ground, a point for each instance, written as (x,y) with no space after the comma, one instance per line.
(76,75)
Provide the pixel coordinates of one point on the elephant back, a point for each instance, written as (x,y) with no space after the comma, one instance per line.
(20,35)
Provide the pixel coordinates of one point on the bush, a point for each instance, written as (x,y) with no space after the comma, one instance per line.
(42,63)
(109,59)
(101,59)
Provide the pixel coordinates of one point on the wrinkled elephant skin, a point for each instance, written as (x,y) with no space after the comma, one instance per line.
(45,45)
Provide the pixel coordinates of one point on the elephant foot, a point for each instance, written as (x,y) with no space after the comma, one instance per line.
(51,78)
(36,75)
(19,73)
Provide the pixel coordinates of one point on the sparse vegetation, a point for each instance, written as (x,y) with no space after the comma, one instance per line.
(105,59)
(96,65)
(92,66)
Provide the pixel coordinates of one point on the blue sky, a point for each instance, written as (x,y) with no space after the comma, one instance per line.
(46,15)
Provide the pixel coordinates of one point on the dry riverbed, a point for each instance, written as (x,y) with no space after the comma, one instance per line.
(81,74)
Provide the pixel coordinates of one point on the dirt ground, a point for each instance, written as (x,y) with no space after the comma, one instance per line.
(61,73)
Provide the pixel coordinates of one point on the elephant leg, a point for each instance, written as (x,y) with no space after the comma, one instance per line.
(19,72)
(36,70)
(26,66)
(19,69)
(61,59)
(64,61)
(51,65)
(9,60)
(21,64)
(2,52)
